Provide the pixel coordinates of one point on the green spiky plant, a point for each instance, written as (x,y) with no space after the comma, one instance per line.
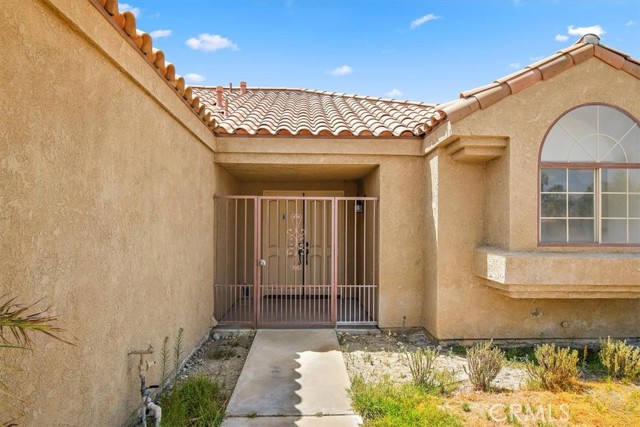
(18,322)
(178,352)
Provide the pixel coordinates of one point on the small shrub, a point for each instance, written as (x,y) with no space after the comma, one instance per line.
(420,364)
(554,368)
(485,362)
(223,354)
(621,360)
(459,350)
(195,402)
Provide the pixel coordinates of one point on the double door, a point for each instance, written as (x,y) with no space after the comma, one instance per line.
(297,241)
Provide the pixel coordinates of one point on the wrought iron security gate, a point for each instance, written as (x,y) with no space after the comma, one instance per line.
(296,261)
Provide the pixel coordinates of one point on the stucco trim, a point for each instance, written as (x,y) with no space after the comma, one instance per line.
(468,149)
(558,275)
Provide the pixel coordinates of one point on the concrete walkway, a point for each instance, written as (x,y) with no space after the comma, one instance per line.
(292,378)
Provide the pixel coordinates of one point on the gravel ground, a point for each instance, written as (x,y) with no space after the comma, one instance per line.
(377,355)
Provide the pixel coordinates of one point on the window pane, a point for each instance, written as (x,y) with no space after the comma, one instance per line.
(585,150)
(614,205)
(581,205)
(631,145)
(581,230)
(614,180)
(581,180)
(634,180)
(553,230)
(557,145)
(614,230)
(634,205)
(610,152)
(613,122)
(552,180)
(553,205)
(634,231)
(580,122)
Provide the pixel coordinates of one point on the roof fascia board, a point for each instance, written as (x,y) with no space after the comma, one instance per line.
(320,146)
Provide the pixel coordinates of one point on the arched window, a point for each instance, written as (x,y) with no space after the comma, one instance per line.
(590,178)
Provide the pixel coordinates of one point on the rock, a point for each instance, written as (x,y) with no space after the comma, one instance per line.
(216,337)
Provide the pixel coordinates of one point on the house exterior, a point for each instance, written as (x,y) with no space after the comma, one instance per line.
(136,205)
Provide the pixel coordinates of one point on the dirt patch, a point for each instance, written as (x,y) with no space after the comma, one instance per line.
(221,358)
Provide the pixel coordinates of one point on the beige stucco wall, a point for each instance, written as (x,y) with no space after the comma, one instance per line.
(106,193)
(496,205)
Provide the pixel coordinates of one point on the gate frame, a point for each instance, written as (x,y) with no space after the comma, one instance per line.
(257,266)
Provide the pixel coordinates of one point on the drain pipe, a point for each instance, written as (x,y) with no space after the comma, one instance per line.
(147,402)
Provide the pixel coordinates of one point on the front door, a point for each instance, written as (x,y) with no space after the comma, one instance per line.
(296,244)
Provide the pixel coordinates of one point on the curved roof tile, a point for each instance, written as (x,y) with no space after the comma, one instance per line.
(281,111)
(125,22)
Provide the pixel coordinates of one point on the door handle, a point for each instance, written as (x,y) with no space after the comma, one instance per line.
(262,262)
(306,257)
(300,252)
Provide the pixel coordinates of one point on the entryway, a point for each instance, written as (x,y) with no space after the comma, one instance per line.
(296,259)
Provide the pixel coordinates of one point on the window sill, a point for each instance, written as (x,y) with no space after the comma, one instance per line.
(559,275)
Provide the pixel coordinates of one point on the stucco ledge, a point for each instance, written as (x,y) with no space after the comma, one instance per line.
(559,275)
(477,149)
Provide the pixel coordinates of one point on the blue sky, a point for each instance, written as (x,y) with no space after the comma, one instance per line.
(421,50)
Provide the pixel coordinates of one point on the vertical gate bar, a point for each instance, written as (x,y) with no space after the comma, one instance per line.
(346,243)
(321,311)
(235,243)
(245,279)
(257,270)
(314,265)
(334,264)
(286,255)
(345,261)
(374,259)
(226,243)
(278,234)
(364,243)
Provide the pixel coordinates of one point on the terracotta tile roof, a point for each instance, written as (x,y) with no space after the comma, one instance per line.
(282,111)
(476,99)
(126,22)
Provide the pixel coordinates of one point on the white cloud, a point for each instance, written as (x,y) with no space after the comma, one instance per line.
(211,43)
(535,58)
(195,78)
(158,34)
(394,93)
(561,38)
(630,23)
(581,31)
(426,18)
(123,7)
(341,71)
(515,65)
